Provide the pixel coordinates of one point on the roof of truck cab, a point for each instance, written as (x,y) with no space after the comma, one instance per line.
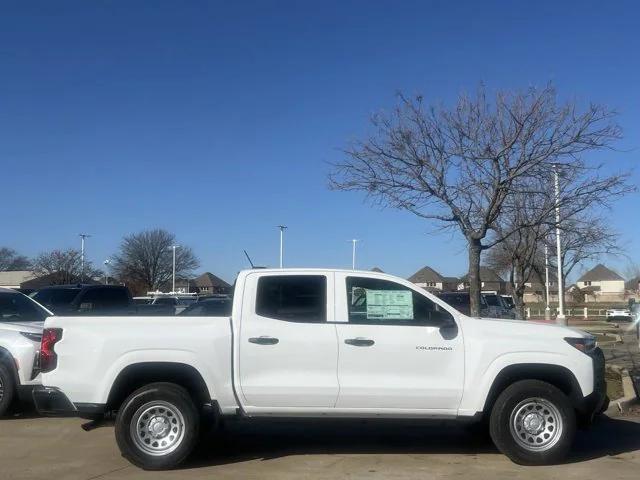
(316,270)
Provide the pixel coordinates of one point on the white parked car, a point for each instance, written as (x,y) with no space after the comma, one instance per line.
(618,314)
(322,344)
(21,323)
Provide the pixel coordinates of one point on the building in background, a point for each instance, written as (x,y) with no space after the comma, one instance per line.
(15,279)
(490,281)
(601,284)
(431,280)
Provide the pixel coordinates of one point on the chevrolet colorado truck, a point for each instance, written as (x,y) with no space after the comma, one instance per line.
(322,344)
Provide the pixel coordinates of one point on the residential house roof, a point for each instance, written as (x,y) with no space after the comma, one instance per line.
(208,279)
(599,273)
(426,275)
(451,279)
(377,270)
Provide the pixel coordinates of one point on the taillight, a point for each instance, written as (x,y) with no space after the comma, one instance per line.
(48,357)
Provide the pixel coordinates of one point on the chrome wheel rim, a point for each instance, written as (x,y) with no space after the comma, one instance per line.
(157,428)
(536,424)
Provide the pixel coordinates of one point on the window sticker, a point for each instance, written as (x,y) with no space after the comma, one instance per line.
(389,305)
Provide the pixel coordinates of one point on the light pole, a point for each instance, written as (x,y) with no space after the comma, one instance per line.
(547,310)
(173,285)
(106,271)
(282,229)
(82,236)
(560,319)
(353,253)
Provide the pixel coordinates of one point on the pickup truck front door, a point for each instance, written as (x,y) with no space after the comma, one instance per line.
(398,349)
(288,349)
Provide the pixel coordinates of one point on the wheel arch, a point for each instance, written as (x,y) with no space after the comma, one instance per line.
(6,358)
(136,375)
(557,375)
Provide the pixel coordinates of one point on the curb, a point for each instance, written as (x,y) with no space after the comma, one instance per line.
(622,404)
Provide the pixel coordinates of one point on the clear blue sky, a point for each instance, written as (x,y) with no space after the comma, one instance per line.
(216,120)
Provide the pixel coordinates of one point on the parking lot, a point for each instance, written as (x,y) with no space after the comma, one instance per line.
(39,448)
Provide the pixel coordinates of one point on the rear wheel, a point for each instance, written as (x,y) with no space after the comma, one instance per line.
(157,426)
(7,389)
(533,423)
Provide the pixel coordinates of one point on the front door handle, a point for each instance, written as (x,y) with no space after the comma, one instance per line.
(359,342)
(264,340)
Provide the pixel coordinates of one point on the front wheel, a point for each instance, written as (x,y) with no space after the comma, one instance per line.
(533,423)
(157,426)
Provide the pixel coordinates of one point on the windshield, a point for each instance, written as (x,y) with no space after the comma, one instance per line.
(15,307)
(492,300)
(55,297)
(508,301)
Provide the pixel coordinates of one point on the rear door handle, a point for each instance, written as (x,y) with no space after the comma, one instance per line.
(264,340)
(359,342)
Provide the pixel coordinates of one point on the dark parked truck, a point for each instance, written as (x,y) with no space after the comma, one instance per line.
(80,299)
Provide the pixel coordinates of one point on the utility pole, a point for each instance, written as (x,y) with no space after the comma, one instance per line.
(560,319)
(82,236)
(282,229)
(173,287)
(547,310)
(106,271)
(353,254)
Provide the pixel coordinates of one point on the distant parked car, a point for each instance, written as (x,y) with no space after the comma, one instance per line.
(177,302)
(210,307)
(94,300)
(21,322)
(623,314)
(461,302)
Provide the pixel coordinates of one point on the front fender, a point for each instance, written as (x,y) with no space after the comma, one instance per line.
(476,392)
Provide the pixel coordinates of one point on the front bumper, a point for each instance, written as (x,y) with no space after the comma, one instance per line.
(51,402)
(597,401)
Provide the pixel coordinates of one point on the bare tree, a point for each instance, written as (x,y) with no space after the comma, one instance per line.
(457,167)
(146,259)
(10,260)
(63,267)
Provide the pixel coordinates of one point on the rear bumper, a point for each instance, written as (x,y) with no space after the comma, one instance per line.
(51,402)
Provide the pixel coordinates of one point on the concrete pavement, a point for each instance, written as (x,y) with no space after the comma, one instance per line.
(41,448)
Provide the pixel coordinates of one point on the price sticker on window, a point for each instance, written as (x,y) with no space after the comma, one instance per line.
(389,305)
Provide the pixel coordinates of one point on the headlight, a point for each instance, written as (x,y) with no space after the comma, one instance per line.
(585,345)
(34,337)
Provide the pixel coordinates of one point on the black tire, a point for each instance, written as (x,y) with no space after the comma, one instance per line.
(168,407)
(7,389)
(533,423)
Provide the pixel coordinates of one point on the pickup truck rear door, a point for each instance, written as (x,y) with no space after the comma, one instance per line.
(398,349)
(288,348)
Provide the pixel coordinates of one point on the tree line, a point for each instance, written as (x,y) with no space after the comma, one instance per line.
(144,262)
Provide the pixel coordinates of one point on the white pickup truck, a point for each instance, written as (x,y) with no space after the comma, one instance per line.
(322,343)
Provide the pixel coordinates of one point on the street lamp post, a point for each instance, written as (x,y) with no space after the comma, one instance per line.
(106,271)
(560,319)
(173,284)
(353,253)
(547,310)
(82,236)
(282,229)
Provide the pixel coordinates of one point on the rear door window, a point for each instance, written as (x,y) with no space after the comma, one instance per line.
(294,298)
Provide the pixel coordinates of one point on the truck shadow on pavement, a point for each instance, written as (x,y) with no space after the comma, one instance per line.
(238,441)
